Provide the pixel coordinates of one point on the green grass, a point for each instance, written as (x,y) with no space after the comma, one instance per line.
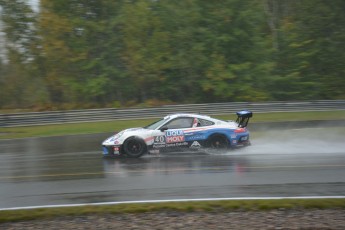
(295,116)
(117,125)
(192,206)
(68,129)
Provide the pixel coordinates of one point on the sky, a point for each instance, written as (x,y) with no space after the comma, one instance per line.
(34,4)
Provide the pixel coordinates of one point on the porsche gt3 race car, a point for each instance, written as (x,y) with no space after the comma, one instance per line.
(180,131)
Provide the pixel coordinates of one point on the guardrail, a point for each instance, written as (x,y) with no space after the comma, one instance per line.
(74,116)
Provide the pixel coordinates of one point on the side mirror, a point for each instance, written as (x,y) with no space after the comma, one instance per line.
(164,128)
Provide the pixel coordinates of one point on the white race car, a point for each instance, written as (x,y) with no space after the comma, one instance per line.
(180,131)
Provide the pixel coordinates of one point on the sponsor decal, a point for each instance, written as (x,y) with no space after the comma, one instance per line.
(174,136)
(179,144)
(196,137)
(244,138)
(195,144)
(158,146)
(170,133)
(175,139)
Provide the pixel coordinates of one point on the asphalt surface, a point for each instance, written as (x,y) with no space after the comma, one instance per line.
(71,170)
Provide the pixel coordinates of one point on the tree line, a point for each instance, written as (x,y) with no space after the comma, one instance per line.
(97,53)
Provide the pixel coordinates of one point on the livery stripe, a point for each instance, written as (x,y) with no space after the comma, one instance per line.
(148,139)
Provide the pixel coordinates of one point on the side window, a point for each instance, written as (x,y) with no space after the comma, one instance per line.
(180,123)
(204,122)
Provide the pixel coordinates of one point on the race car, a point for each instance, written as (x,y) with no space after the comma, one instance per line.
(180,132)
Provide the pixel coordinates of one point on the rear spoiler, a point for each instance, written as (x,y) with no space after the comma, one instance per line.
(243,118)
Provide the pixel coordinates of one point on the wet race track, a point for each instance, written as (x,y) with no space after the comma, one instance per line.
(71,170)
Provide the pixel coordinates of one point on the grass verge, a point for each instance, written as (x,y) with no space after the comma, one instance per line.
(116,125)
(192,206)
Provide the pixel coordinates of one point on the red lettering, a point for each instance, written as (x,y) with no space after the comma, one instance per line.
(175,139)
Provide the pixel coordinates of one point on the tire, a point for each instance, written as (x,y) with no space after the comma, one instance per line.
(134,147)
(218,142)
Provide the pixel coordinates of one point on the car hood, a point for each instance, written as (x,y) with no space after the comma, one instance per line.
(119,137)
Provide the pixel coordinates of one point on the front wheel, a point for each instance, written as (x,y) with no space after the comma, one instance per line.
(134,147)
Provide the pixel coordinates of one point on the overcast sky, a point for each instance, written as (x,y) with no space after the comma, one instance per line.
(34,4)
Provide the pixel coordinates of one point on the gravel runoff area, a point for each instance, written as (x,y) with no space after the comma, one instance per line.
(273,219)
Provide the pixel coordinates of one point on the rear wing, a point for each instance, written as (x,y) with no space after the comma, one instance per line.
(243,118)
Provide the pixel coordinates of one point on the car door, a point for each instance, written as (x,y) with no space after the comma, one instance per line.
(173,133)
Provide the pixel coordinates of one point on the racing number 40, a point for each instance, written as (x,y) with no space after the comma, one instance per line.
(159,139)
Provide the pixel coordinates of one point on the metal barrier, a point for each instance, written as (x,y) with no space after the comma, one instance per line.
(90,115)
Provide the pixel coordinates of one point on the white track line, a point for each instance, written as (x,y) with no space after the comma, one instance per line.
(174,200)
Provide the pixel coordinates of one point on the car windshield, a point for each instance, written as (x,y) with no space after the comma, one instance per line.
(156,124)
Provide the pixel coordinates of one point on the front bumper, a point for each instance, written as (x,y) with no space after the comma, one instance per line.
(111,150)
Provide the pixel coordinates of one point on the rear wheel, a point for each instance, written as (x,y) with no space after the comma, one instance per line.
(134,147)
(218,142)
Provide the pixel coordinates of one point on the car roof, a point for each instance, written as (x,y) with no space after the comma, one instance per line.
(175,115)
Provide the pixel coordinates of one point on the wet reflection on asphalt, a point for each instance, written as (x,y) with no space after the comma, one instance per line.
(71,169)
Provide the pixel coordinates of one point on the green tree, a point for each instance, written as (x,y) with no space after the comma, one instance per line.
(187,55)
(311,49)
(145,47)
(81,57)
(216,51)
(95,53)
(238,51)
(320,26)
(20,88)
